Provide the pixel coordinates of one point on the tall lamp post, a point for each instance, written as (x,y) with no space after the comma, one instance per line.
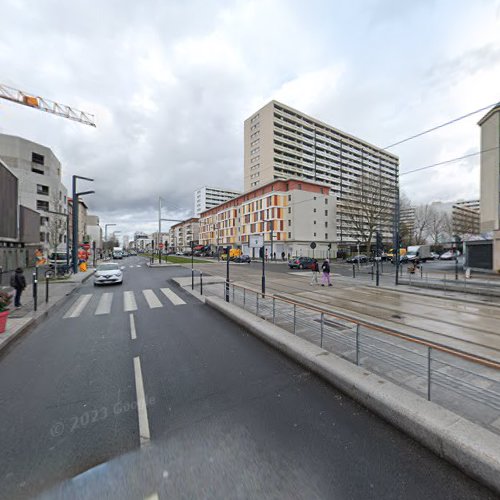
(75,217)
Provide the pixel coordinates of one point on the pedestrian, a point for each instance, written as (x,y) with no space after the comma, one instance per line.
(289,255)
(18,282)
(315,273)
(326,273)
(274,256)
(283,256)
(267,256)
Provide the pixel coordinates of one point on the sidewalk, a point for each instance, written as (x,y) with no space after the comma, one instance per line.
(21,319)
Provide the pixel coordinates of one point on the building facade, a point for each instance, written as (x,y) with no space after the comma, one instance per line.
(184,234)
(490,170)
(281,142)
(208,197)
(40,188)
(83,236)
(295,212)
(19,227)
(94,231)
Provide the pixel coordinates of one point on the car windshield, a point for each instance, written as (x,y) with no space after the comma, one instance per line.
(58,256)
(108,267)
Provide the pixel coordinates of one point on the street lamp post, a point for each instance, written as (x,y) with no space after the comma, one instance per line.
(75,217)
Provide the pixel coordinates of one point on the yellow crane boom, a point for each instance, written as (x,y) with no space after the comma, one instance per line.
(20,97)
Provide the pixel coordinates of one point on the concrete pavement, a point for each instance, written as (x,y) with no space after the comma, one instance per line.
(145,391)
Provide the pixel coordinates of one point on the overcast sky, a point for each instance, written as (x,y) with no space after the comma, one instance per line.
(171,82)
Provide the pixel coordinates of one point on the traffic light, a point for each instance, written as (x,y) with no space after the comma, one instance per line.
(378,238)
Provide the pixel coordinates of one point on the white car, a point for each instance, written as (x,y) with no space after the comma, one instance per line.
(108,273)
(450,255)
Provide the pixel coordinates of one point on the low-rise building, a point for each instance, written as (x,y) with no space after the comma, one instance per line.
(94,232)
(295,213)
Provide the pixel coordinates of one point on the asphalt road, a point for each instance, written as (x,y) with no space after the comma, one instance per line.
(181,402)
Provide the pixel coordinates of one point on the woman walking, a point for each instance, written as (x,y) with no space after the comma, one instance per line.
(326,273)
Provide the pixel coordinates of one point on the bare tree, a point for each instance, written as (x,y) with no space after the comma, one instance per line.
(56,225)
(435,226)
(371,206)
(421,225)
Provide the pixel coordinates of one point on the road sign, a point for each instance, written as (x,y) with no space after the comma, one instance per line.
(313,245)
(256,241)
(161,245)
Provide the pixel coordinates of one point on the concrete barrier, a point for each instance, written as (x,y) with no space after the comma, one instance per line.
(473,449)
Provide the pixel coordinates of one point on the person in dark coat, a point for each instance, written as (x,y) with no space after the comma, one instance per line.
(326,273)
(18,282)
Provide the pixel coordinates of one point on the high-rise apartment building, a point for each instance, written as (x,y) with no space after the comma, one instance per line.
(490,170)
(208,197)
(288,214)
(281,142)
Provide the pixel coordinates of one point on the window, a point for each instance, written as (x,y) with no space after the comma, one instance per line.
(41,189)
(314,210)
(326,236)
(289,235)
(289,222)
(36,158)
(289,210)
(315,235)
(42,205)
(42,236)
(326,212)
(44,220)
(314,222)
(326,224)
(326,201)
(37,171)
(289,197)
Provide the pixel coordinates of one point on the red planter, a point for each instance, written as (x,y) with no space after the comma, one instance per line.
(3,320)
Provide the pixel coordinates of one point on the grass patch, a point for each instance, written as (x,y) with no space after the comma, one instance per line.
(176,259)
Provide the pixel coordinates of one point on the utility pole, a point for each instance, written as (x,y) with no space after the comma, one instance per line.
(75,217)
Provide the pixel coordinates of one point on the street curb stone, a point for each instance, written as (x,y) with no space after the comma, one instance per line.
(474,450)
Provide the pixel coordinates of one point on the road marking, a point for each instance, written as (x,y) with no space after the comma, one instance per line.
(142,409)
(122,267)
(133,332)
(129,303)
(138,265)
(172,296)
(104,306)
(154,496)
(152,300)
(78,306)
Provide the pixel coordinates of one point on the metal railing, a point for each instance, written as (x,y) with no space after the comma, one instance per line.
(466,384)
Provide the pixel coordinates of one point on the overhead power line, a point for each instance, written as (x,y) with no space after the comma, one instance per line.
(443,124)
(449,161)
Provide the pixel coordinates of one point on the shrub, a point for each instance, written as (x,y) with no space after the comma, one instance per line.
(5,300)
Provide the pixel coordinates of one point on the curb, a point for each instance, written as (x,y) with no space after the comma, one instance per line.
(474,450)
(33,322)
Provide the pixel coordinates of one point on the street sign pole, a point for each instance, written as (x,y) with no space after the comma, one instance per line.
(227,273)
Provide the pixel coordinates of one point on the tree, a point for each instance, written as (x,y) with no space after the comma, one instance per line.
(436,224)
(372,205)
(56,224)
(421,225)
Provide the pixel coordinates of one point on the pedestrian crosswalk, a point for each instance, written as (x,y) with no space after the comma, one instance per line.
(137,265)
(102,304)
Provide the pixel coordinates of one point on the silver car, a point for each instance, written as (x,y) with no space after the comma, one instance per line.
(108,273)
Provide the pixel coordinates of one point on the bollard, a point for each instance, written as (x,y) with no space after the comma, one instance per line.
(201,283)
(372,272)
(46,288)
(192,279)
(35,292)
(421,272)
(354,270)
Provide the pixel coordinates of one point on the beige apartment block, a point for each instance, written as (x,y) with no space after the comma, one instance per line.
(182,234)
(288,214)
(281,142)
(490,170)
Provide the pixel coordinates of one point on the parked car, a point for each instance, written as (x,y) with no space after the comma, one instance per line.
(434,255)
(178,253)
(301,263)
(58,258)
(243,258)
(107,274)
(357,259)
(450,255)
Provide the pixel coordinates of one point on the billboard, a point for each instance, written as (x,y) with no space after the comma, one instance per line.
(256,241)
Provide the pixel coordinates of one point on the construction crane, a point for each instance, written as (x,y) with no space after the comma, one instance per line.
(46,105)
